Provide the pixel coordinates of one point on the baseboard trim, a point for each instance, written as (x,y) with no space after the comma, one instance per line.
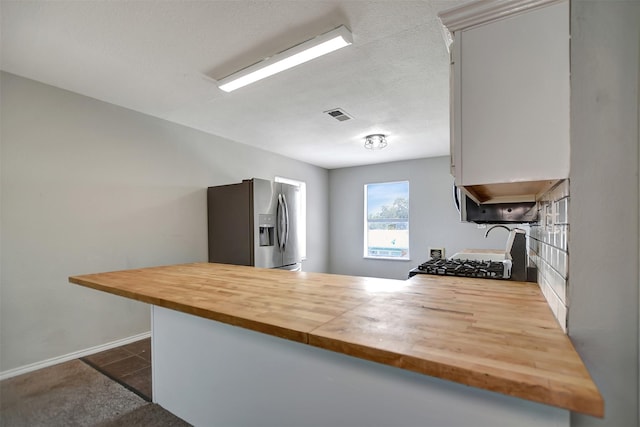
(70,356)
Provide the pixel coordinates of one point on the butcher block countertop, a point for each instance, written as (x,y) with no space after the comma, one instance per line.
(492,334)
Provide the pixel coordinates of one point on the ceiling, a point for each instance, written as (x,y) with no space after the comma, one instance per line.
(162,58)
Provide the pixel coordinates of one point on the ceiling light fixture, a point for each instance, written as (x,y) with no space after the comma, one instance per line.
(375,142)
(296,55)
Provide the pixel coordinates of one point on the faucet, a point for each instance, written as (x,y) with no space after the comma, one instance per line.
(497,226)
(517,250)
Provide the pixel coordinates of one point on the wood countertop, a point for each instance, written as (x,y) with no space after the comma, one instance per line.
(496,335)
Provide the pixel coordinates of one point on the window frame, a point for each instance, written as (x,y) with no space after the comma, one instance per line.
(365,253)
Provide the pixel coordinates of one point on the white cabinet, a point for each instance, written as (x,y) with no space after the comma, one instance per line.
(510,97)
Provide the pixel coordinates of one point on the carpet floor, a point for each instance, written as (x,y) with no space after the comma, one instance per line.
(75,394)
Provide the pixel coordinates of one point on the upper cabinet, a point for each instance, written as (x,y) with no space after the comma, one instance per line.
(509,97)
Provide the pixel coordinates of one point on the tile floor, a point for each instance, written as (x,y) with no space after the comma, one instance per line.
(130,365)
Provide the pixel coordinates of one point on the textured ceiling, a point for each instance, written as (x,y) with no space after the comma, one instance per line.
(162,58)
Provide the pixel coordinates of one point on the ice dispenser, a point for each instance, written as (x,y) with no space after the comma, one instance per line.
(267,224)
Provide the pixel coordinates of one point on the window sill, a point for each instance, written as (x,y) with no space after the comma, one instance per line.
(387,258)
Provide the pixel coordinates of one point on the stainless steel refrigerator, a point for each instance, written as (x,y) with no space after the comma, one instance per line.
(254,223)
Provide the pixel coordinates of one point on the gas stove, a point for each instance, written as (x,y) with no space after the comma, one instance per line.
(465,268)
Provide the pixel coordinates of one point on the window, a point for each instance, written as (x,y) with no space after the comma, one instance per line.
(302,232)
(386,220)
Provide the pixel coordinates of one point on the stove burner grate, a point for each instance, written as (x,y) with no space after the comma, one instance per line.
(464,268)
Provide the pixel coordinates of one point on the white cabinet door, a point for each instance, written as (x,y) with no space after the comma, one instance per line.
(511,99)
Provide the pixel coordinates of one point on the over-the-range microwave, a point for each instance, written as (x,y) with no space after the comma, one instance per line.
(494,213)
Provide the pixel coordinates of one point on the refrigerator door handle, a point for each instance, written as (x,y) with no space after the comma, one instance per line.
(286,220)
(280,223)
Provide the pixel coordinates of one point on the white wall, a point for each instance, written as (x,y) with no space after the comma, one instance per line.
(603,243)
(433,218)
(87,187)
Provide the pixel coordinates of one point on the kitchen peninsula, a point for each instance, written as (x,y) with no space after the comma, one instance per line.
(219,357)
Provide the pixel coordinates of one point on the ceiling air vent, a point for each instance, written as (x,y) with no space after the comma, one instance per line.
(339,114)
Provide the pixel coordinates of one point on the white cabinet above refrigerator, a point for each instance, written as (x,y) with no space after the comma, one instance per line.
(509,97)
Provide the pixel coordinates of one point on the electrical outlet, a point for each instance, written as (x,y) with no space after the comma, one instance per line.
(436,253)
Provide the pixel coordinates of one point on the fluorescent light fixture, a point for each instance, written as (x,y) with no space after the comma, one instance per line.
(296,55)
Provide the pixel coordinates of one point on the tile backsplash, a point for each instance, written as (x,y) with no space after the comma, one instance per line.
(548,249)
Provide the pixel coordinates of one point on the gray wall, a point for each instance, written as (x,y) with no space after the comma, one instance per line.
(433,219)
(87,187)
(603,242)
